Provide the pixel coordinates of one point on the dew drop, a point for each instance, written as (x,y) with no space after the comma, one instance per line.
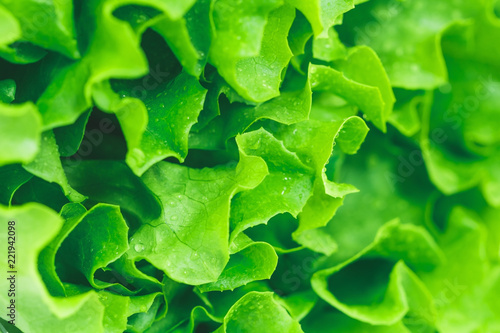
(139,247)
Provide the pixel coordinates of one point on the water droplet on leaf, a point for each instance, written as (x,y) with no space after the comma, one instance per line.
(139,247)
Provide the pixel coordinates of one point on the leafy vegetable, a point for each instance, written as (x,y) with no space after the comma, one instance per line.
(241,166)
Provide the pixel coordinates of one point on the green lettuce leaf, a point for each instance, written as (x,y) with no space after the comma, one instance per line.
(35,227)
(47,165)
(260,311)
(12,177)
(249,261)
(47,24)
(20,128)
(379,298)
(322,14)
(195,220)
(406,36)
(249,46)
(101,248)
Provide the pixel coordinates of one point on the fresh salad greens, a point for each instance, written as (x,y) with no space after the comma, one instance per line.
(230,166)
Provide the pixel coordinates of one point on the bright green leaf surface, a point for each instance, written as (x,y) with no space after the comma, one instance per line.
(259,311)
(204,195)
(37,311)
(250,166)
(47,165)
